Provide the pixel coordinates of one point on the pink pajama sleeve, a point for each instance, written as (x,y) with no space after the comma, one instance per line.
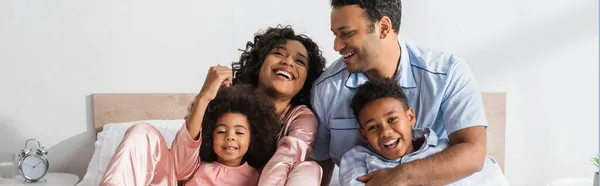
(288,165)
(186,153)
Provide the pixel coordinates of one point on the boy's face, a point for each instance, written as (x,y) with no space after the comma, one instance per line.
(231,138)
(386,126)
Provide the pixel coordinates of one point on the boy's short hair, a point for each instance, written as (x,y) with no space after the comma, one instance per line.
(377,89)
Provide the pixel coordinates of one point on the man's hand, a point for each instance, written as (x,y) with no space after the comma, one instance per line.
(383,177)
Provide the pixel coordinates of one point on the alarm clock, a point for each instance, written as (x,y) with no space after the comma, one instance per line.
(33,164)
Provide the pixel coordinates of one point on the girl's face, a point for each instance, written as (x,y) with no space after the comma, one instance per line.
(284,70)
(231,138)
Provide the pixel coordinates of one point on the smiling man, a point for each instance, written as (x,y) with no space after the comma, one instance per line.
(440,88)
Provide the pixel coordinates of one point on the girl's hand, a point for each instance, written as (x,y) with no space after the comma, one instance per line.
(217,76)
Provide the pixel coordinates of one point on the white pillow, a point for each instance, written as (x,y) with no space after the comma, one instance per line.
(109,139)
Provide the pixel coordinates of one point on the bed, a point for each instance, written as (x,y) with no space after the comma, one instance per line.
(114,113)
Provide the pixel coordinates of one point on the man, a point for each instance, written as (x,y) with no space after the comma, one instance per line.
(440,88)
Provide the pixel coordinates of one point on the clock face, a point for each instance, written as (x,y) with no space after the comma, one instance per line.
(34,167)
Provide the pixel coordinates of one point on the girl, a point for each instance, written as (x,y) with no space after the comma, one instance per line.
(235,142)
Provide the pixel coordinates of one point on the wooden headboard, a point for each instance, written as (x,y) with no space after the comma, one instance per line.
(495,112)
(117,108)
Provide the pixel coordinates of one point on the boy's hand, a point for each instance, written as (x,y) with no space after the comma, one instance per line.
(382,177)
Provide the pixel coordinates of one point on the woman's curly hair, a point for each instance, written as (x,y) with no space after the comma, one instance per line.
(259,110)
(247,69)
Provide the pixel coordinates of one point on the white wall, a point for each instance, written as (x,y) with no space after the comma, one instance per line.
(54,54)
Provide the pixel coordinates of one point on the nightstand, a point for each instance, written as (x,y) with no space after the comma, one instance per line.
(52,179)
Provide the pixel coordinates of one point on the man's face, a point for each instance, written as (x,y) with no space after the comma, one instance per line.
(354,38)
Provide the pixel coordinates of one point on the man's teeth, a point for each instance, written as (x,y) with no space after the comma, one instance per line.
(391,142)
(348,54)
(284,73)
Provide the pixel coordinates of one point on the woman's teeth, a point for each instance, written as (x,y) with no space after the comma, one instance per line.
(284,74)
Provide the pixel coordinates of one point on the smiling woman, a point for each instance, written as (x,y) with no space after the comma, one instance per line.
(283,63)
(276,73)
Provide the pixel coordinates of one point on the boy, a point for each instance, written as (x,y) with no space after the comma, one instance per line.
(386,122)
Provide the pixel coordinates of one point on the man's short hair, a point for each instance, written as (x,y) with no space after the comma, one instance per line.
(375,9)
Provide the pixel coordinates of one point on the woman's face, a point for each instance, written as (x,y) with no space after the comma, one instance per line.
(284,70)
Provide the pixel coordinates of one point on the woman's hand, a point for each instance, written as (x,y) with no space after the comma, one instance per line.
(217,76)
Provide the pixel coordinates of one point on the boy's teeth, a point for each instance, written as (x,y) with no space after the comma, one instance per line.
(391,142)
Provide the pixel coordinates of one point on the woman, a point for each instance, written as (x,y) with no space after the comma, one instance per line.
(280,63)
(285,65)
